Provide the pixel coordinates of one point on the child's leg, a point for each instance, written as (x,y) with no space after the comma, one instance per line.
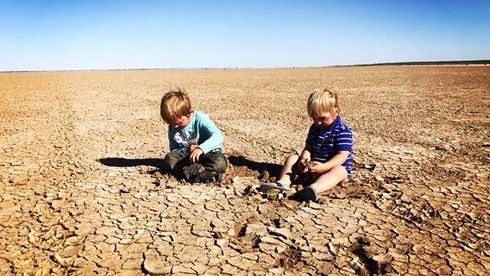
(329,179)
(287,170)
(181,167)
(213,165)
(323,183)
(173,160)
(286,176)
(191,172)
(214,162)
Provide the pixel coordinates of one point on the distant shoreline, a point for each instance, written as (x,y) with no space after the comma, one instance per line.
(408,63)
(453,62)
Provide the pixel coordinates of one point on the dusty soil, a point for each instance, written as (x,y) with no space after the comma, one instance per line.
(81,191)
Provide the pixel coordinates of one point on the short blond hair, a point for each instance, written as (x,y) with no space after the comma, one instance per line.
(175,103)
(322,101)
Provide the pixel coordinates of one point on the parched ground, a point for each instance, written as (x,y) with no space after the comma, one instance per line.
(81,191)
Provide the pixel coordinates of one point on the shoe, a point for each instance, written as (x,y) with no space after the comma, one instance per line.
(306,194)
(273,186)
(208,176)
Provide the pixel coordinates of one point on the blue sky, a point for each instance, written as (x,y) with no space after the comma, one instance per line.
(79,35)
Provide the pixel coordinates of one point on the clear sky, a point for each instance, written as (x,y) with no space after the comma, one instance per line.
(123,34)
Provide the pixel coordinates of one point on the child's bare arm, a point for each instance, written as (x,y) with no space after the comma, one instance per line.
(302,164)
(304,158)
(305,155)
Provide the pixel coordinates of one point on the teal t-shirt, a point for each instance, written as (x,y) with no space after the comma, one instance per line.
(200,131)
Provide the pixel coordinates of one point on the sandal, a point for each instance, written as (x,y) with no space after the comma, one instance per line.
(275,185)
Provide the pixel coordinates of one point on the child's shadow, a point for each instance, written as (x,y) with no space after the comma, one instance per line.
(240,166)
(253,168)
(128,162)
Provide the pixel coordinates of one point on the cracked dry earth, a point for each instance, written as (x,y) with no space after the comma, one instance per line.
(81,191)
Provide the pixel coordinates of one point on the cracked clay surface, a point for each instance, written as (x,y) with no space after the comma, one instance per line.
(82,194)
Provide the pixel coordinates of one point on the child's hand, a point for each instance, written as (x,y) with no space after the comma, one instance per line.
(192,148)
(314,167)
(195,153)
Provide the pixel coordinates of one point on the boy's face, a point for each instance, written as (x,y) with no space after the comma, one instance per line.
(324,120)
(180,122)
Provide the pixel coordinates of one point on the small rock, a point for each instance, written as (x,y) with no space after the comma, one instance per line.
(156,266)
(231,232)
(256,229)
(332,249)
(222,243)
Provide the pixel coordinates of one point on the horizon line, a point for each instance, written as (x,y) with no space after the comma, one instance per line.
(403,63)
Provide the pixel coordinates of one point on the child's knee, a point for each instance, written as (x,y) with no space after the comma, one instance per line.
(291,160)
(293,157)
(340,172)
(220,164)
(171,159)
(214,162)
(173,154)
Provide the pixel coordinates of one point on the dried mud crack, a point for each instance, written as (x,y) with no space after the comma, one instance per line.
(82,191)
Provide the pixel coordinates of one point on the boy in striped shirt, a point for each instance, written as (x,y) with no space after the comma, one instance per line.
(326,159)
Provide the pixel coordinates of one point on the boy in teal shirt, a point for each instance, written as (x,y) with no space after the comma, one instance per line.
(196,154)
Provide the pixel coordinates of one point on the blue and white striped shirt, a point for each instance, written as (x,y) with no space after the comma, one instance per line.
(325,143)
